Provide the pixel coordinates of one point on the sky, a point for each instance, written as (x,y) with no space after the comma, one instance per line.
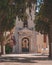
(38,3)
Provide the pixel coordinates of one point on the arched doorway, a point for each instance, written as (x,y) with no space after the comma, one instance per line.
(25,45)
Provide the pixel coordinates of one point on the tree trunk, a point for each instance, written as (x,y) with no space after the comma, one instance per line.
(50,41)
(1,40)
(1,48)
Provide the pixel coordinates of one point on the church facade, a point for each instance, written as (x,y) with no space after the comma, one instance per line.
(25,36)
(27,39)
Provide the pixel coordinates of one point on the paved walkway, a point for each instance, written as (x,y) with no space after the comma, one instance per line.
(25,59)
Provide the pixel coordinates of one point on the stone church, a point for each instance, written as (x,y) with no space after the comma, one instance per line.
(25,35)
(27,39)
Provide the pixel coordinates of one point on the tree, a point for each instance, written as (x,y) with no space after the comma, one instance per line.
(42,26)
(45,15)
(6,19)
(48,8)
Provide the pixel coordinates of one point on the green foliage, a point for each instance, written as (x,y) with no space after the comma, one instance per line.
(43,19)
(6,16)
(42,26)
(46,9)
(8,49)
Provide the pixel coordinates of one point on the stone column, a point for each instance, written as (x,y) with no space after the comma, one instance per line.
(0,48)
(3,49)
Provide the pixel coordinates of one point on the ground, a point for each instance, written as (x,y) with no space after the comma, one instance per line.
(25,59)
